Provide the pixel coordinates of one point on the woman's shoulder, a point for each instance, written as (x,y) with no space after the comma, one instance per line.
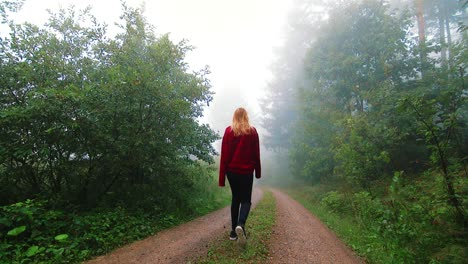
(228,130)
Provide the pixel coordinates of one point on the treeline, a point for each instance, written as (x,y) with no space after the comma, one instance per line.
(377,113)
(91,122)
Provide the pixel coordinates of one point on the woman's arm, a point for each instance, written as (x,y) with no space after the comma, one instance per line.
(223,160)
(258,166)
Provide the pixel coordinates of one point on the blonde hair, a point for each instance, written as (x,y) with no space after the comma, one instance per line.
(240,122)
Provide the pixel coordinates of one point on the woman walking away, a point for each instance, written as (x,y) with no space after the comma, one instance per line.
(240,157)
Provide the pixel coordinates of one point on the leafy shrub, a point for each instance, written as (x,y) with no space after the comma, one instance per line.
(365,208)
(410,222)
(117,115)
(335,201)
(28,231)
(33,232)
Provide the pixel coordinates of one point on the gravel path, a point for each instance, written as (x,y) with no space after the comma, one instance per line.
(299,237)
(178,244)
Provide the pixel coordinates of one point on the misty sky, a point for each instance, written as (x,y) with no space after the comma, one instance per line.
(236,38)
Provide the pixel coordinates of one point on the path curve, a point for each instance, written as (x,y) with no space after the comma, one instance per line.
(299,237)
(179,244)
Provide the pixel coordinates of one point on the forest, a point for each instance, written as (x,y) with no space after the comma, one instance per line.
(368,109)
(101,143)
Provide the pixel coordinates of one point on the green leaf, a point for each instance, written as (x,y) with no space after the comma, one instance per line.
(5,221)
(32,251)
(16,231)
(61,237)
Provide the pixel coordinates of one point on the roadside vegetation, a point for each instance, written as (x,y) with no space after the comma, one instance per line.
(391,228)
(37,231)
(369,112)
(100,139)
(259,227)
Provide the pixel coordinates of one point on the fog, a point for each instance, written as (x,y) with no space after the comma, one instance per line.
(236,39)
(255,51)
(360,106)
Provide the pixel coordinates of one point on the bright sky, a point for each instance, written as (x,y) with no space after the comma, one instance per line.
(236,38)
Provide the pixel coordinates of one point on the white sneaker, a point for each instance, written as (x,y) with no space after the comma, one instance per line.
(241,237)
(233,235)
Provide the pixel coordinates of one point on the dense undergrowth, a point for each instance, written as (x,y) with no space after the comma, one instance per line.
(34,232)
(405,221)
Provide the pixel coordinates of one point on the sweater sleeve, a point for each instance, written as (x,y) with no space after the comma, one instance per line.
(258,167)
(224,156)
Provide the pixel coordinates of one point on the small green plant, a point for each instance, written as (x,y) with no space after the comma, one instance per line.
(335,201)
(365,207)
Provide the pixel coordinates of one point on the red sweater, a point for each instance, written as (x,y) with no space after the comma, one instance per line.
(239,154)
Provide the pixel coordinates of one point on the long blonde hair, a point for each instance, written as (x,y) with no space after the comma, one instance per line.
(240,122)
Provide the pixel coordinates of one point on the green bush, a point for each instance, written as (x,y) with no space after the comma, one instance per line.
(365,207)
(410,222)
(98,121)
(33,231)
(335,201)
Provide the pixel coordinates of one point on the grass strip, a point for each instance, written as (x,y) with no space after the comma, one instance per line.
(259,227)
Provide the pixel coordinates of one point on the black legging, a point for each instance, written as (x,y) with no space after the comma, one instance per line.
(241,188)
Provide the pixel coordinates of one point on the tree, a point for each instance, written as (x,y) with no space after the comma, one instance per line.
(356,67)
(89,119)
(280,103)
(9,6)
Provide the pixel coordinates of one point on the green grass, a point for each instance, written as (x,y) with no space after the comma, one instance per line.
(259,227)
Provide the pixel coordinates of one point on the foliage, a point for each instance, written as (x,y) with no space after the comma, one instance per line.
(440,114)
(281,103)
(86,235)
(360,155)
(33,231)
(400,227)
(382,122)
(334,201)
(87,118)
(11,6)
(352,78)
(100,142)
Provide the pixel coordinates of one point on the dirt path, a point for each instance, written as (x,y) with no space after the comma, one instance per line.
(299,237)
(178,244)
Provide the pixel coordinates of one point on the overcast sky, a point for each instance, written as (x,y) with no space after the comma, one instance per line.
(236,38)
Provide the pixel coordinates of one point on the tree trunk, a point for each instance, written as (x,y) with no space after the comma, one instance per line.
(449,35)
(443,45)
(441,152)
(422,33)
(421,23)
(452,196)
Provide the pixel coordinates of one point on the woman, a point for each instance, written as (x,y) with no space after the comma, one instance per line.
(240,157)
